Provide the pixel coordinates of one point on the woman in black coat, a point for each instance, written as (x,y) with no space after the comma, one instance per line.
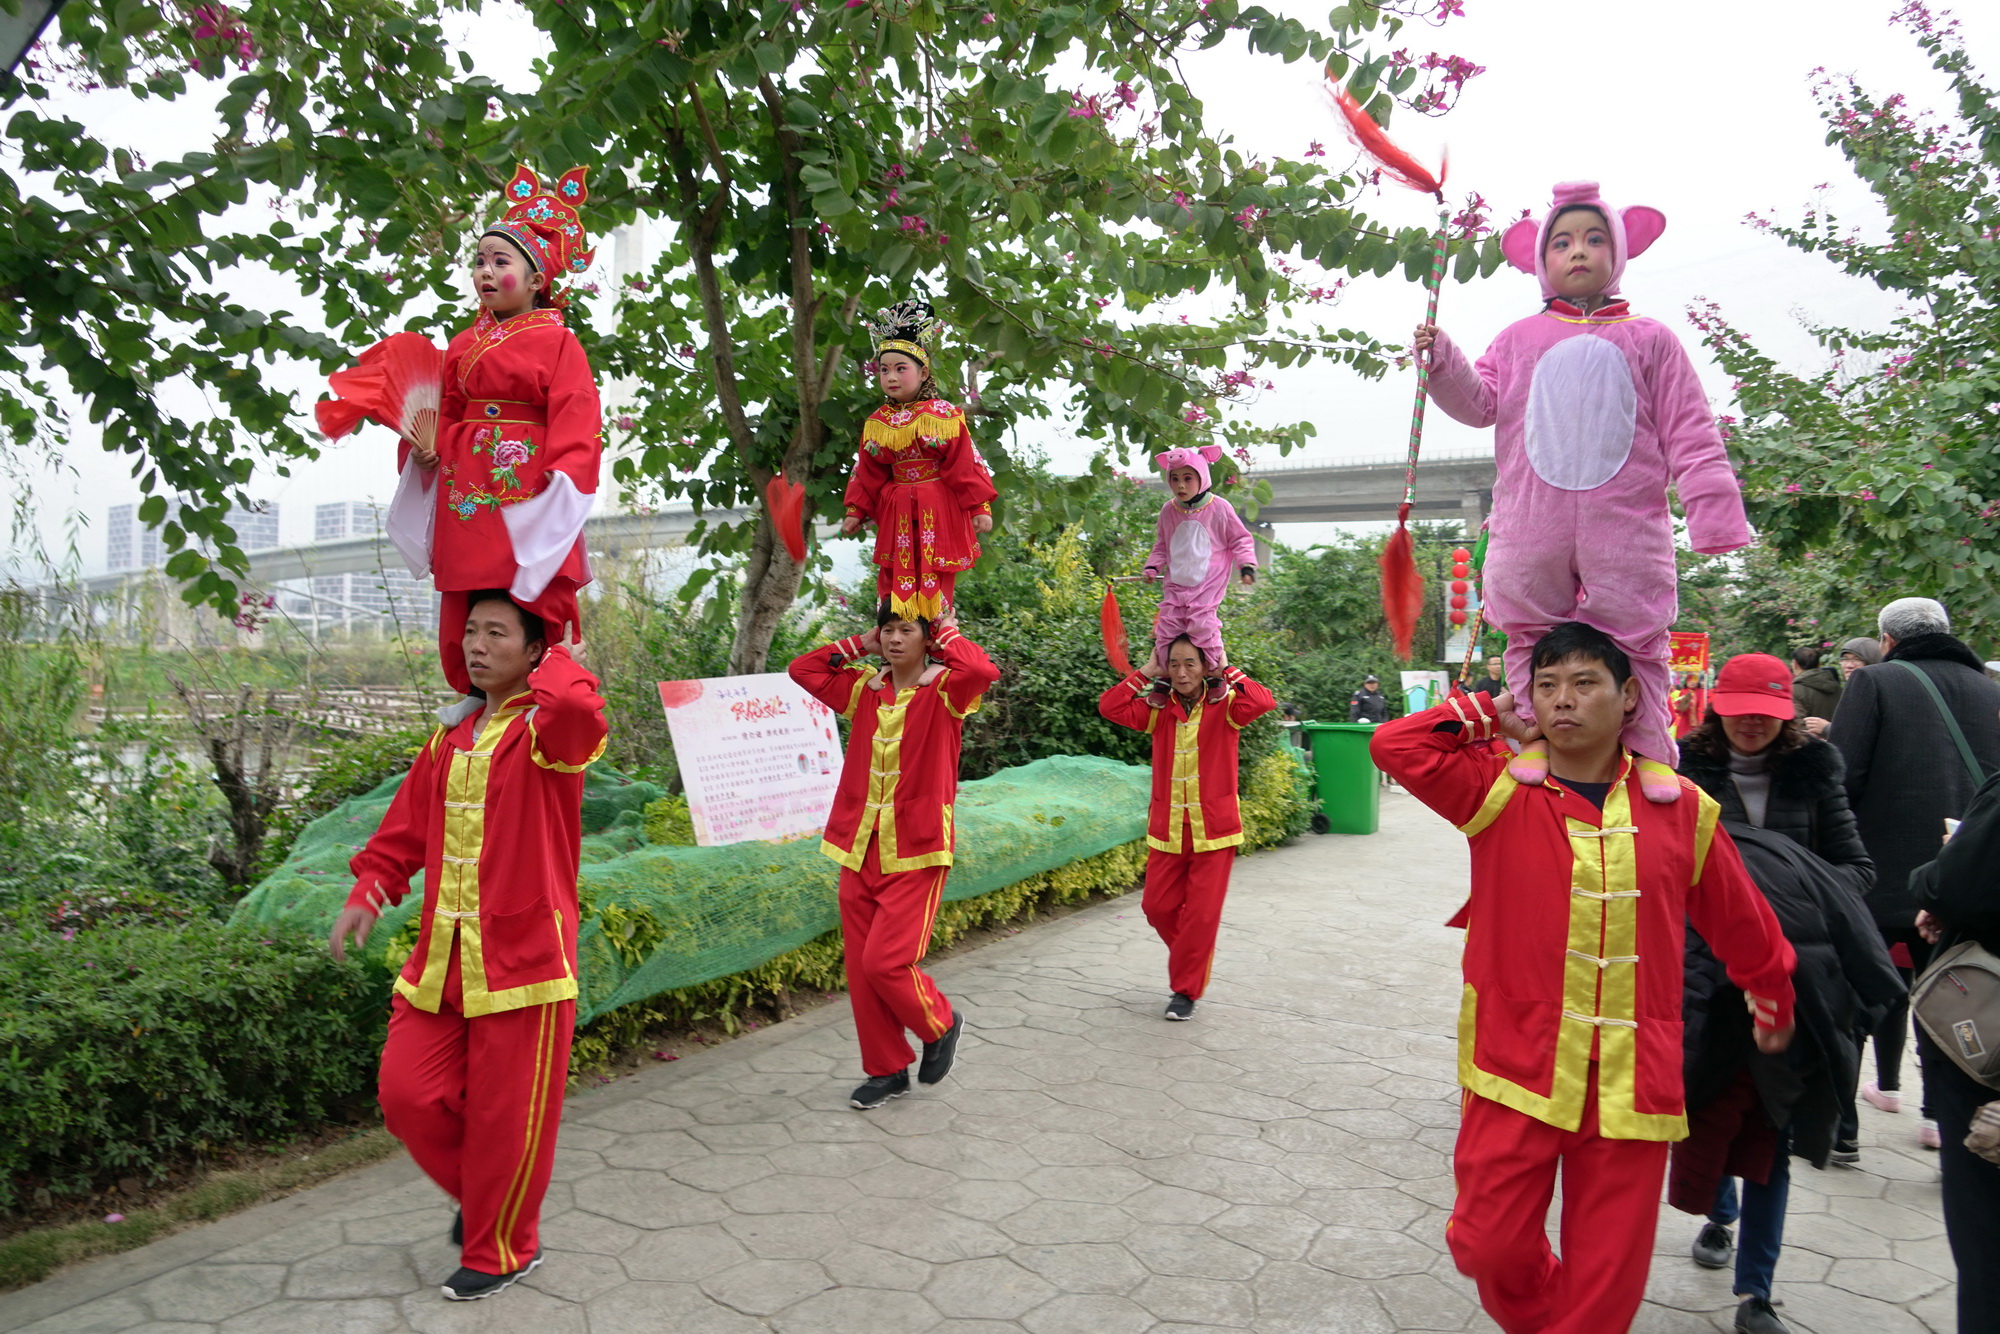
(1781,788)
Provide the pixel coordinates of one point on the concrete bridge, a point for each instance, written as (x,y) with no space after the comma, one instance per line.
(1302,491)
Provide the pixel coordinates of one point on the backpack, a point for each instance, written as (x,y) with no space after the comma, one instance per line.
(1957,1000)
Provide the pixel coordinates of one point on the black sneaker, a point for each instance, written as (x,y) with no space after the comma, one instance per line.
(1218,690)
(938,1055)
(1180,1007)
(1714,1248)
(458,1228)
(879,1089)
(1161,692)
(469,1285)
(1846,1151)
(1755,1316)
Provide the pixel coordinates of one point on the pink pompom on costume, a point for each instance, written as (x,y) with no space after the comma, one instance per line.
(1199,547)
(1597,414)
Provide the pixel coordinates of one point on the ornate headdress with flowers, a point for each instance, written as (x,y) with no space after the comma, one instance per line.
(910,327)
(545,224)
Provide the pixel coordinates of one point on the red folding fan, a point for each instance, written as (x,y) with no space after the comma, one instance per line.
(397,383)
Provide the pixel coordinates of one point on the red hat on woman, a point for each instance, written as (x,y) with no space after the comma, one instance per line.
(1753,683)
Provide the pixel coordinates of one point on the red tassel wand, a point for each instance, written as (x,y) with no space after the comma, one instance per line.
(1402,583)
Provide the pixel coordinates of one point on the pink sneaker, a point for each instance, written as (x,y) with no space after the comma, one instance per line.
(1892,1101)
(1927,1134)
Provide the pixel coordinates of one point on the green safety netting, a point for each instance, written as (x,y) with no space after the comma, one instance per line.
(718,911)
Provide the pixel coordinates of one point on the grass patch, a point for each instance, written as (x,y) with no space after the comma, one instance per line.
(30,1257)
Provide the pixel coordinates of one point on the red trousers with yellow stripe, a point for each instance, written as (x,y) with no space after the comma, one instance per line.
(1506,1162)
(885,930)
(477,1103)
(1183,902)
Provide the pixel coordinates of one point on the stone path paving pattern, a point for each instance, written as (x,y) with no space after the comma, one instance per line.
(1281,1164)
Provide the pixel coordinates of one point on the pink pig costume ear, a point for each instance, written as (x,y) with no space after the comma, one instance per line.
(1633,230)
(1198,459)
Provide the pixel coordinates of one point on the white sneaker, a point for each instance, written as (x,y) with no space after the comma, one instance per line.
(1927,1134)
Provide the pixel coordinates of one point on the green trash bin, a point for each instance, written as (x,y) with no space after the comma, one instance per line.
(1350,789)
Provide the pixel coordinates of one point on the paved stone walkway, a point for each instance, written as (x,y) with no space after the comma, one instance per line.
(1280,1165)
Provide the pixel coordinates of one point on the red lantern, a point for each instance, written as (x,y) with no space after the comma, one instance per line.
(1460,570)
(1458,618)
(1460,554)
(1460,586)
(1458,601)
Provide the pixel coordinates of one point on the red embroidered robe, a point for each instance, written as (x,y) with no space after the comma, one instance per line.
(921,481)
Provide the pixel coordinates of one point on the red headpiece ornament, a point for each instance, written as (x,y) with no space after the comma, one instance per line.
(545,224)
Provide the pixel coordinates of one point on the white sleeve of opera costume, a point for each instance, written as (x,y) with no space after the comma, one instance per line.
(543,530)
(412,511)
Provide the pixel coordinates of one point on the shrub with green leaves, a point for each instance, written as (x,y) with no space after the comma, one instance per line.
(130,1048)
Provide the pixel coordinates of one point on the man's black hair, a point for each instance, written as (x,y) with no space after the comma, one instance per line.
(1806,656)
(531,625)
(1574,639)
(885,614)
(1178,640)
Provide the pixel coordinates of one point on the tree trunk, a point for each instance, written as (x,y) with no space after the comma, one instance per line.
(770,586)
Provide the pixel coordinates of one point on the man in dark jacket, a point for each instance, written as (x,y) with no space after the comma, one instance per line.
(1959,895)
(1369,704)
(1906,776)
(1815,689)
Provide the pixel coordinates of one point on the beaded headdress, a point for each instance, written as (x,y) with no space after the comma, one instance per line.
(545,224)
(910,327)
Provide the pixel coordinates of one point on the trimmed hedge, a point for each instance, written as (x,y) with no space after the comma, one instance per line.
(129,1049)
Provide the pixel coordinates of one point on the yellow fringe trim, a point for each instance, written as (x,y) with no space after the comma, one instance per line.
(922,425)
(928,607)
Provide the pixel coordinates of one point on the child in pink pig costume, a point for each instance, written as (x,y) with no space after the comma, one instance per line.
(1598,410)
(1201,539)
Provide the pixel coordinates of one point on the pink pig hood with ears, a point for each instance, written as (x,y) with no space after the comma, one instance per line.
(1632,230)
(1198,459)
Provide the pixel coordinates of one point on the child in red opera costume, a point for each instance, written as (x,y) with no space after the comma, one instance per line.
(891,830)
(1569,1025)
(502,502)
(918,478)
(479,1028)
(1194,826)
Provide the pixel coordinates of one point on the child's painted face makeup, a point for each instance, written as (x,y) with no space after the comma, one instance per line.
(900,376)
(1577,255)
(502,278)
(1185,483)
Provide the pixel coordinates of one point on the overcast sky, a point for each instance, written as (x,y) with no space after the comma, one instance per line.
(1702,109)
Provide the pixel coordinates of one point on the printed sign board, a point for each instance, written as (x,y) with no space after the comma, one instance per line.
(759,756)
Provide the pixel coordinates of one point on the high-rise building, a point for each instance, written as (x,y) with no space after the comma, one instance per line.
(387,597)
(131,545)
(121,535)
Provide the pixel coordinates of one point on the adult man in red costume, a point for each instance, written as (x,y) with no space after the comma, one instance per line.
(1570,1026)
(1193,827)
(479,1030)
(891,829)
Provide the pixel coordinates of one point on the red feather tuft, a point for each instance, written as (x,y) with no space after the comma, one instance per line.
(786,500)
(1402,589)
(1395,163)
(397,382)
(1112,626)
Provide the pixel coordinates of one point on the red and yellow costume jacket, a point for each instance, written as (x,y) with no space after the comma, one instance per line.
(494,821)
(1575,928)
(1194,759)
(901,774)
(520,439)
(921,481)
